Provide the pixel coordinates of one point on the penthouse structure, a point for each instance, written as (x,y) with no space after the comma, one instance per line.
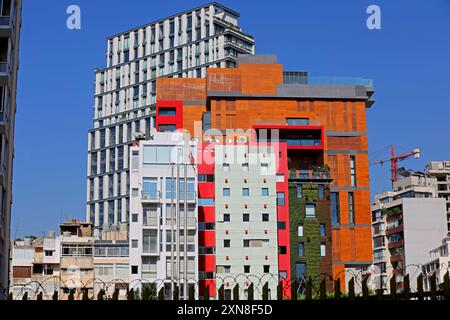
(183,45)
(321,121)
(441,170)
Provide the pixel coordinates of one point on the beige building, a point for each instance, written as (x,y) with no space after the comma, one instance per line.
(35,267)
(111,263)
(77,260)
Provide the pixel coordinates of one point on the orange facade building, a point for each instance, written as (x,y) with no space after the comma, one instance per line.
(323,121)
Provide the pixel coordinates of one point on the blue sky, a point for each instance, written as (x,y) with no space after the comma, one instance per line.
(408,59)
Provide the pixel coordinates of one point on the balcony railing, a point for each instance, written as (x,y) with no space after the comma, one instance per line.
(150,221)
(397,257)
(150,195)
(5,21)
(393,230)
(3,67)
(395,244)
(150,248)
(309,175)
(191,195)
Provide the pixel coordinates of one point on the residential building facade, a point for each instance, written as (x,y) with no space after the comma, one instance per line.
(437,265)
(441,170)
(10,24)
(164,214)
(77,260)
(406,223)
(180,46)
(35,267)
(323,123)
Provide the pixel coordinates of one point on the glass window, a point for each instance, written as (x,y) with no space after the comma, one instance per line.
(226,192)
(351,208)
(280,199)
(226,167)
(300,230)
(245,217)
(323,250)
(335,210)
(245,167)
(205,202)
(226,243)
(299,191)
(167,127)
(300,270)
(265,192)
(301,249)
(297,121)
(310,210)
(226,217)
(322,230)
(353,171)
(321,192)
(245,192)
(265,217)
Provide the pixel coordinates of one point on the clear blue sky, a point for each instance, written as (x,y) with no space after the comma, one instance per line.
(409,60)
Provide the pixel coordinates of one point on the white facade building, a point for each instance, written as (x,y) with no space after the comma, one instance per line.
(246,218)
(10,24)
(182,45)
(163,183)
(438,264)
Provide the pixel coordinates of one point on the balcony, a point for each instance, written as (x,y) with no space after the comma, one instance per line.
(396,244)
(150,222)
(308,175)
(397,257)
(151,196)
(394,230)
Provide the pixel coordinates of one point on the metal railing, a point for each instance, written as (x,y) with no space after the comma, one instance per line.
(309,175)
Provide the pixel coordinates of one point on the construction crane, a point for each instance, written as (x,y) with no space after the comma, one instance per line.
(394,159)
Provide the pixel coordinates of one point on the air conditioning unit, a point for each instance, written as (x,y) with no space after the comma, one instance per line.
(139,136)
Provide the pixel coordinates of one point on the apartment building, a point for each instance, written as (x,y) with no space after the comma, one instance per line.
(438,264)
(164,214)
(77,260)
(246,224)
(407,222)
(323,123)
(441,170)
(35,267)
(10,24)
(183,45)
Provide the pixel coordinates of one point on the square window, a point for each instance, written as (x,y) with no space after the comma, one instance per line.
(282,250)
(226,217)
(266,269)
(246,269)
(227,269)
(246,243)
(134,243)
(310,210)
(283,274)
(135,192)
(226,243)
(245,192)
(134,217)
(265,217)
(246,217)
(226,167)
(280,177)
(134,269)
(226,192)
(245,167)
(264,167)
(281,225)
(265,192)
